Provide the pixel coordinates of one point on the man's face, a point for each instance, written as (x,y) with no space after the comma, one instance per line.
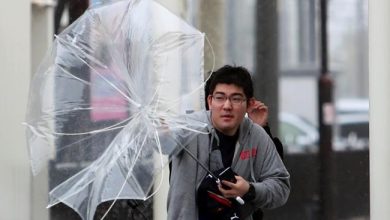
(228,106)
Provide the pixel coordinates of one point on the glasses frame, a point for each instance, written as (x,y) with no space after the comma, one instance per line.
(230,98)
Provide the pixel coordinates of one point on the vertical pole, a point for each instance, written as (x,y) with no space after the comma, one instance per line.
(266,60)
(213,22)
(42,19)
(379,81)
(326,118)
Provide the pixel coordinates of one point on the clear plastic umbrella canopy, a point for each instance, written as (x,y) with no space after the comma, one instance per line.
(106,104)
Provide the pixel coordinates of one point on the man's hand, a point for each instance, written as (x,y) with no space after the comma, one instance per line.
(258,112)
(240,188)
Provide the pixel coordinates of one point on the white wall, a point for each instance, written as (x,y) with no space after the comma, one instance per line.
(25,34)
(15,74)
(379,81)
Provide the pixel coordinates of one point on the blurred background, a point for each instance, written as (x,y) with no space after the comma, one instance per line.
(309,60)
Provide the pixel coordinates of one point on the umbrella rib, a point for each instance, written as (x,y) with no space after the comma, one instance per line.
(98,161)
(162,164)
(114,87)
(124,182)
(94,70)
(109,128)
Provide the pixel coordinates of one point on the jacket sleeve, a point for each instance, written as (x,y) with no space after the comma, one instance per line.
(272,184)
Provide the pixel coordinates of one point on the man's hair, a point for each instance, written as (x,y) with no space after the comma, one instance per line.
(236,75)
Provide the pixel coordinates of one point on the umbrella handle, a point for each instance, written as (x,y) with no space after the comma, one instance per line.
(237,198)
(240,200)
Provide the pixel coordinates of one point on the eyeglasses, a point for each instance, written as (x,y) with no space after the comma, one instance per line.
(234,99)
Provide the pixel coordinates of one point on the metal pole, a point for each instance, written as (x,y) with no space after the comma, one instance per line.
(326,118)
(266,75)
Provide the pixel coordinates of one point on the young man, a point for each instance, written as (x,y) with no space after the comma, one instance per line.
(234,141)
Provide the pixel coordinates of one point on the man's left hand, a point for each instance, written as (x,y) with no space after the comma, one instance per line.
(258,112)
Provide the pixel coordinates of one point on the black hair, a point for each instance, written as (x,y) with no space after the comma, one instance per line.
(236,75)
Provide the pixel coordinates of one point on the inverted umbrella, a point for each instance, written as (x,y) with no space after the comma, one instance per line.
(105,105)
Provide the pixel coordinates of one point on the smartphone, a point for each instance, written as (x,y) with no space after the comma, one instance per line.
(228,175)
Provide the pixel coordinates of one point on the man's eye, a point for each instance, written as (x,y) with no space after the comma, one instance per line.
(236,99)
(219,98)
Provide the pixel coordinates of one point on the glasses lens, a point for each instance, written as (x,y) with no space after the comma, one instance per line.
(219,98)
(236,99)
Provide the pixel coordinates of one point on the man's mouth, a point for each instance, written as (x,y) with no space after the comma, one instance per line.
(227,116)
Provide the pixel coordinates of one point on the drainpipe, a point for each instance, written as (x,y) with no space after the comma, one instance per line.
(326,119)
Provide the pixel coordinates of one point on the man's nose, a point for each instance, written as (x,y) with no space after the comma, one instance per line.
(227,104)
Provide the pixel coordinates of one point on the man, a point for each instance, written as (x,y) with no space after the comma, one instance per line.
(258,112)
(234,141)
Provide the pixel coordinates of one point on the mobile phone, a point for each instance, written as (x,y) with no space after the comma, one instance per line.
(228,175)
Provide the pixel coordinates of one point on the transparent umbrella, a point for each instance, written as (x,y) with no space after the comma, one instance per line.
(106,104)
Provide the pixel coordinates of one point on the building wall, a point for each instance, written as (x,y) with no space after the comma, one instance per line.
(15,72)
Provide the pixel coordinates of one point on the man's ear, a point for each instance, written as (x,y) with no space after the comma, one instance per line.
(250,102)
(209,100)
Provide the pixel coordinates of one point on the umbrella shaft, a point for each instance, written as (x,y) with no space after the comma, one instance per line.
(237,198)
(201,164)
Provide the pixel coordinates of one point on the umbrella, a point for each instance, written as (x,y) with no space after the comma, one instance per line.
(106,104)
